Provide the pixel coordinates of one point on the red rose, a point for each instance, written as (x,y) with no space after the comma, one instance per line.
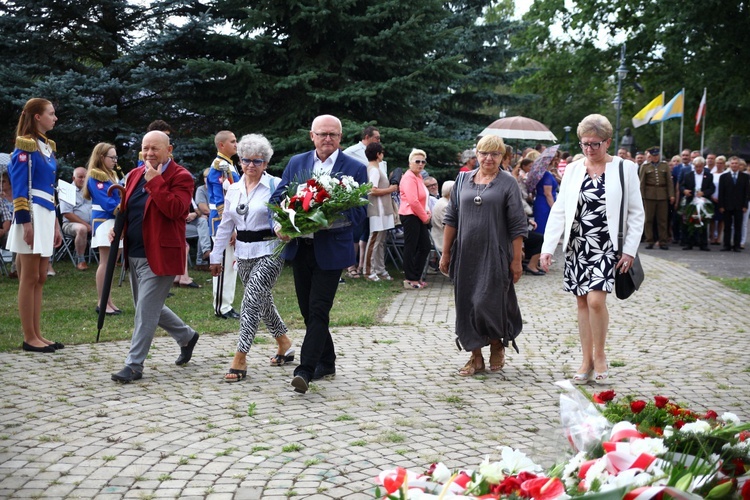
(637,406)
(603,397)
(509,485)
(679,424)
(525,476)
(321,196)
(660,401)
(711,415)
(311,183)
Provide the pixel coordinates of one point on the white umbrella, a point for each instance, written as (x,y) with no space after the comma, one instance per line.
(519,127)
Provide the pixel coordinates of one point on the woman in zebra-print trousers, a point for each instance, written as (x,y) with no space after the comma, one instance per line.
(246,212)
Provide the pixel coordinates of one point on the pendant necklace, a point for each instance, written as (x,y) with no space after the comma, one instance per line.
(478,197)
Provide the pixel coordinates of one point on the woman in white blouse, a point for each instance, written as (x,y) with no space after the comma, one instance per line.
(246,212)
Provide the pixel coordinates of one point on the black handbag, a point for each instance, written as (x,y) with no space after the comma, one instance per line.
(628,282)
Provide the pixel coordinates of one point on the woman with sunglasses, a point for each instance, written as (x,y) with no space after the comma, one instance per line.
(246,212)
(415,218)
(587,216)
(100,176)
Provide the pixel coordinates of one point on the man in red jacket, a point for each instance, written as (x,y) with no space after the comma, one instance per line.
(157,199)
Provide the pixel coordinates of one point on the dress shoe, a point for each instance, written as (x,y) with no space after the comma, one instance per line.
(82,266)
(126,375)
(30,348)
(649,246)
(57,346)
(187,352)
(323,371)
(229,314)
(301,383)
(705,249)
(663,247)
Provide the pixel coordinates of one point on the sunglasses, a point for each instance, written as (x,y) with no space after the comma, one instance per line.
(255,161)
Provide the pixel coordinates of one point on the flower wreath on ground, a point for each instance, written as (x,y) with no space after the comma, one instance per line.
(631,449)
(318,202)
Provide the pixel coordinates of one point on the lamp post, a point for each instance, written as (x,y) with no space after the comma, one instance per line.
(622,72)
(566,128)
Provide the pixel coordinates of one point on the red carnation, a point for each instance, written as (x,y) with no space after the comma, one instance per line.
(660,401)
(603,397)
(321,196)
(637,406)
(711,415)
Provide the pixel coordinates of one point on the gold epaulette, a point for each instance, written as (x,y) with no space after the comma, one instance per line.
(52,145)
(99,175)
(216,165)
(27,144)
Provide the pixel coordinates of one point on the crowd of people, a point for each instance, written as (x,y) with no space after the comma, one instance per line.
(502,216)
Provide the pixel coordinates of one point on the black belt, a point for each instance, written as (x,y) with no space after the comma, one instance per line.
(253,236)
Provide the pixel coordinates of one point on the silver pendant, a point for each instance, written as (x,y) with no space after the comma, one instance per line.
(242,209)
(477,200)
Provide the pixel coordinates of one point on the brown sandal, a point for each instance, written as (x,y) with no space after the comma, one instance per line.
(497,357)
(471,368)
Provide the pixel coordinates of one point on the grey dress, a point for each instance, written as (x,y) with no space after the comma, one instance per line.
(486,304)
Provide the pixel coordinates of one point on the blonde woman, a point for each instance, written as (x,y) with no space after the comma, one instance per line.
(415,218)
(100,175)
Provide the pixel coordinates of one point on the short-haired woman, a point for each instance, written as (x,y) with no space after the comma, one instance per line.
(586,215)
(379,214)
(415,218)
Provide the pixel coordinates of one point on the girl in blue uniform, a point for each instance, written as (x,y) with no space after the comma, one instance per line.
(35,231)
(99,177)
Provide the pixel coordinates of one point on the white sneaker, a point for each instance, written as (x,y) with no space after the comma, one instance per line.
(373,277)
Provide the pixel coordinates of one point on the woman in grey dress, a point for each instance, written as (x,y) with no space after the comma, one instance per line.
(484,230)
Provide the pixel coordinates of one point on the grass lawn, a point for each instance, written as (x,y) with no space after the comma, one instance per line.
(740,284)
(68,314)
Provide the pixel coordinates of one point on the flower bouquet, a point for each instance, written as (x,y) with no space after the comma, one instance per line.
(631,449)
(317,203)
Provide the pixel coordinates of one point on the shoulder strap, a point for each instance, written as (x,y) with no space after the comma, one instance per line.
(620,229)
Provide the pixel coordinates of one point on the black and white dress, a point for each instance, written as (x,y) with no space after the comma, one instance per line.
(590,257)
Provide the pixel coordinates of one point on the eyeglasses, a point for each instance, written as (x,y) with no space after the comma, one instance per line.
(431,185)
(327,135)
(113,158)
(420,162)
(593,145)
(495,155)
(255,161)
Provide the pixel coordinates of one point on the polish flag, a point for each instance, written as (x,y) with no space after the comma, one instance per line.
(701,113)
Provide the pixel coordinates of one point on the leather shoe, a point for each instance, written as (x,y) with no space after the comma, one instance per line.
(126,375)
(231,314)
(187,352)
(300,383)
(321,371)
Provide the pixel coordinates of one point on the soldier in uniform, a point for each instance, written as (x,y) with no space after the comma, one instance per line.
(222,174)
(657,191)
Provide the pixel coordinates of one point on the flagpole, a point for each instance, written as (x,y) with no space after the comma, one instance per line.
(682,118)
(703,120)
(661,139)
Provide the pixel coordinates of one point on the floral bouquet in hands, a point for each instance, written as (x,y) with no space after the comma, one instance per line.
(317,203)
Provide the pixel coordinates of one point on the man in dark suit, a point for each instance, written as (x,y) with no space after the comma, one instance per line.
(317,259)
(157,200)
(698,183)
(734,194)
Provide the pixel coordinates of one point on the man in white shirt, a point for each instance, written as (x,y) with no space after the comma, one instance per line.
(77,218)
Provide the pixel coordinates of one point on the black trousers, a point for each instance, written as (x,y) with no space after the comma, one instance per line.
(732,218)
(316,289)
(416,246)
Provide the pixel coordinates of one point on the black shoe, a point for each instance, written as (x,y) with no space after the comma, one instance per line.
(725,249)
(663,247)
(57,345)
(321,371)
(689,247)
(649,246)
(231,314)
(187,352)
(300,383)
(705,249)
(737,250)
(126,375)
(30,348)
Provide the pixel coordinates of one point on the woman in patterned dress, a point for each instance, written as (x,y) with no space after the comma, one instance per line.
(245,210)
(586,214)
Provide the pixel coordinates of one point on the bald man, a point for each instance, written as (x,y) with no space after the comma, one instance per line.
(157,200)
(77,218)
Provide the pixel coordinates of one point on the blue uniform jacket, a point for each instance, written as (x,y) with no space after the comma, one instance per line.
(219,169)
(102,205)
(43,172)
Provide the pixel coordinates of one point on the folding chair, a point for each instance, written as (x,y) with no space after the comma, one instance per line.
(394,247)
